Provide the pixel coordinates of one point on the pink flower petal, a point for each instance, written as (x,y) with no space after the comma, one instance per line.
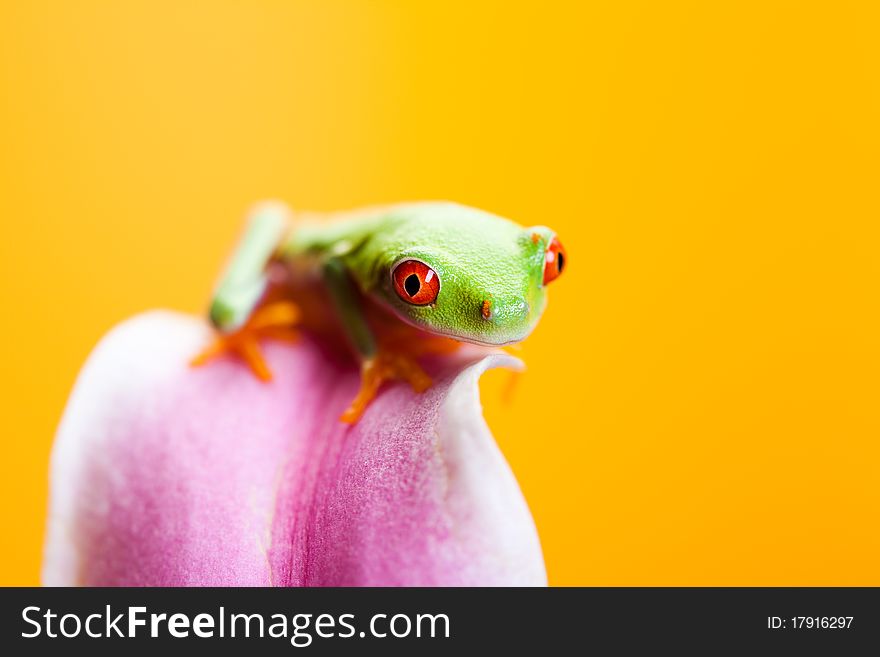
(166,475)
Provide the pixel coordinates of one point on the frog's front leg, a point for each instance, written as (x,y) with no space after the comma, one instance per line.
(236,309)
(380,361)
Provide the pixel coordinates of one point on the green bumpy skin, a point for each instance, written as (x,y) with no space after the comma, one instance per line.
(478,257)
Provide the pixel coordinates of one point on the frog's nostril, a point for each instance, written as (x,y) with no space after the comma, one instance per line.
(500,311)
(486,309)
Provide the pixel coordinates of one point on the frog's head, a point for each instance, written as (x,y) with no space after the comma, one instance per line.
(470,275)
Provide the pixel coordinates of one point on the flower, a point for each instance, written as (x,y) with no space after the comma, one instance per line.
(163,475)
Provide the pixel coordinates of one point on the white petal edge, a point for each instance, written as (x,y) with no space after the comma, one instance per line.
(502,518)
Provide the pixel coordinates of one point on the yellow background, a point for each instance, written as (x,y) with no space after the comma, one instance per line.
(701,405)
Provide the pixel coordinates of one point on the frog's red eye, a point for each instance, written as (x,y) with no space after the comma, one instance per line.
(415,282)
(554,261)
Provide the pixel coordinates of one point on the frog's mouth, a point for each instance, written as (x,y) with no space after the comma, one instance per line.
(485,343)
(482,341)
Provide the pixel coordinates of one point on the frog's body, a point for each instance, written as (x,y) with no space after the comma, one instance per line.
(401,281)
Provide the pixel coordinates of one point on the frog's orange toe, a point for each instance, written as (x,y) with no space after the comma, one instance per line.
(370,384)
(274,321)
(385,366)
(243,344)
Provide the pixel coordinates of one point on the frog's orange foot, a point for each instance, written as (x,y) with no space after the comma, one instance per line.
(385,366)
(275,321)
